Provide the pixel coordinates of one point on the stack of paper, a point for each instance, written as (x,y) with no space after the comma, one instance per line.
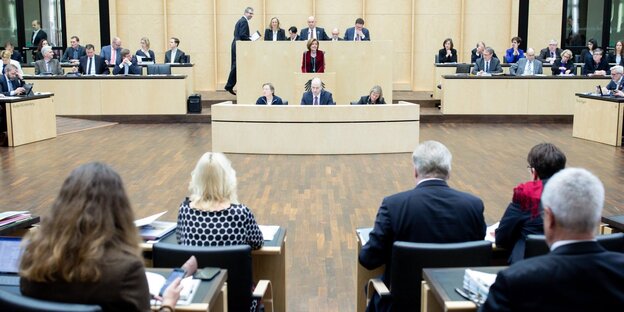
(268,231)
(477,284)
(9,217)
(150,229)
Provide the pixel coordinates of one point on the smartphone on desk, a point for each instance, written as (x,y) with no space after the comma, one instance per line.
(207,273)
(176,273)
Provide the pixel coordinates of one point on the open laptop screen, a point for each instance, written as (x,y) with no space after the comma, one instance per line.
(11,252)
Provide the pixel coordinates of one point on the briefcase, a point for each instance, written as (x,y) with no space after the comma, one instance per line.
(193,104)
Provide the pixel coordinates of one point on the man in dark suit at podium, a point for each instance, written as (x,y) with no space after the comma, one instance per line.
(430,213)
(241,32)
(317,95)
(92,64)
(578,274)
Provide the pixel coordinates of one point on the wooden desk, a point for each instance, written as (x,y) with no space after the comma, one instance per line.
(443,69)
(438,289)
(20,227)
(598,119)
(115,95)
(210,296)
(29,119)
(307,129)
(514,95)
(269,263)
(616,223)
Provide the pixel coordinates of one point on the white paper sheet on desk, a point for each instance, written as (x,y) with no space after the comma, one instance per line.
(148,220)
(490,232)
(268,231)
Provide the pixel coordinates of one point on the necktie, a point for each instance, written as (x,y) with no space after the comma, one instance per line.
(89,66)
(316,101)
(357,37)
(10,85)
(552,54)
(113,56)
(530,70)
(75,55)
(487,66)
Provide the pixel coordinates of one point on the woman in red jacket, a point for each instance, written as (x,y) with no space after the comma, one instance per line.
(313,60)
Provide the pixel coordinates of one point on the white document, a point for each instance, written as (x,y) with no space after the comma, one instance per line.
(363,234)
(255,36)
(268,231)
(490,232)
(148,220)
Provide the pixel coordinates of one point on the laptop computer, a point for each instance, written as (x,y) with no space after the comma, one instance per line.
(11,251)
(29,89)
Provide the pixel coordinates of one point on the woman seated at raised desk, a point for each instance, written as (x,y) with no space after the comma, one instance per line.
(145,51)
(447,54)
(565,65)
(617,56)
(314,59)
(375,96)
(588,53)
(513,54)
(86,249)
(268,96)
(274,32)
(37,55)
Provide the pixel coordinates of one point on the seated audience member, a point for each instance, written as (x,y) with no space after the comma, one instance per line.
(128,65)
(432,212)
(523,215)
(336,35)
(487,64)
(86,249)
(578,274)
(74,52)
(15,55)
(111,54)
(447,54)
(37,55)
(477,52)
(588,53)
(527,66)
(551,53)
(292,34)
(513,54)
(313,60)
(275,32)
(268,96)
(214,200)
(598,66)
(6,60)
(317,95)
(616,83)
(145,51)
(48,65)
(358,32)
(313,32)
(565,65)
(174,55)
(10,83)
(617,56)
(91,64)
(375,96)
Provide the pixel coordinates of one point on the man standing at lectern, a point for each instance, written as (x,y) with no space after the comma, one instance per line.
(241,32)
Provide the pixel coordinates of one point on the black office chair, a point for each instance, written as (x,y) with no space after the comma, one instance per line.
(536,244)
(159,69)
(235,259)
(18,303)
(463,69)
(285,102)
(409,259)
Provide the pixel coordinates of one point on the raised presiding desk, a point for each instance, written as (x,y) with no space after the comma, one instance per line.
(269,263)
(514,95)
(115,95)
(307,129)
(598,118)
(29,119)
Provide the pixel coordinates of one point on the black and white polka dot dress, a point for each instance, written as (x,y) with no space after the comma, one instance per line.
(235,225)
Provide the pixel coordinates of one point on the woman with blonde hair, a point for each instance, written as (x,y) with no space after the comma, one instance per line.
(274,32)
(375,96)
(145,51)
(87,248)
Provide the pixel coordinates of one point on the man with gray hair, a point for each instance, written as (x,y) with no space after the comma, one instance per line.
(48,65)
(430,213)
(487,64)
(578,274)
(551,53)
(617,83)
(527,66)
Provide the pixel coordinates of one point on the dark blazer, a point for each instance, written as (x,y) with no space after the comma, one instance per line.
(100,66)
(55,67)
(296,39)
(321,35)
(350,34)
(325,98)
(4,86)
(16,56)
(612,86)
(133,69)
(106,54)
(366,100)
(586,55)
(241,30)
(545,53)
(40,36)
(569,66)
(590,66)
(180,57)
(319,63)
(151,55)
(581,276)
(69,53)
(613,60)
(268,35)
(474,57)
(442,58)
(263,100)
(495,66)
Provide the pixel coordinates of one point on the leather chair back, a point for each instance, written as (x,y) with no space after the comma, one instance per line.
(18,303)
(159,69)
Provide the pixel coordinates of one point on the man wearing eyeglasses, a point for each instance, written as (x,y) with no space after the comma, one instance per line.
(241,32)
(551,53)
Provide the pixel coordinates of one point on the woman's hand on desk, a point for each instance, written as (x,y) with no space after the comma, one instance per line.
(171,295)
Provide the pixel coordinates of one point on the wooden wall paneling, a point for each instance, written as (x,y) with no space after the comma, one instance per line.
(82,20)
(544,23)
(488,21)
(137,19)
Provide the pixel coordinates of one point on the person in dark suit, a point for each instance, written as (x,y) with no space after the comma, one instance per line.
(617,56)
(430,213)
(335,35)
(447,54)
(128,65)
(241,32)
(550,54)
(313,32)
(317,95)
(578,274)
(15,55)
(523,215)
(38,34)
(74,52)
(275,32)
(10,82)
(92,64)
(37,55)
(174,55)
(616,83)
(587,53)
(358,32)
(375,96)
(477,52)
(292,34)
(48,65)
(268,96)
(487,64)
(565,65)
(145,51)
(597,66)
(313,60)
(111,54)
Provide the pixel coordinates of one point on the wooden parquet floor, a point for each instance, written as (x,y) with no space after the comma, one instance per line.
(319,199)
